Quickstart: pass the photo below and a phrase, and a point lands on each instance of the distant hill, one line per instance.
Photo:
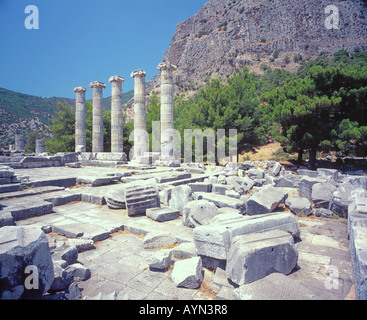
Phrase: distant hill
(21, 113)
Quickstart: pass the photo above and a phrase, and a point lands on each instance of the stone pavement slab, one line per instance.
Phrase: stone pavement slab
(119, 260)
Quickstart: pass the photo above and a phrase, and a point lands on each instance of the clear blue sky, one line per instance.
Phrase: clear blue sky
(80, 41)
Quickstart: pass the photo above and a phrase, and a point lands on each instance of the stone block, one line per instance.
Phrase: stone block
(247, 184)
(198, 212)
(6, 181)
(220, 278)
(357, 228)
(222, 201)
(6, 172)
(109, 156)
(29, 209)
(115, 198)
(322, 194)
(180, 196)
(357, 213)
(222, 217)
(159, 239)
(73, 292)
(266, 200)
(285, 181)
(200, 187)
(305, 185)
(351, 189)
(331, 174)
(21, 247)
(232, 194)
(162, 214)
(62, 198)
(359, 260)
(221, 188)
(74, 165)
(6, 218)
(82, 273)
(299, 205)
(252, 257)
(276, 169)
(255, 174)
(12, 187)
(237, 183)
(93, 197)
(165, 195)
(188, 273)
(184, 250)
(214, 240)
(66, 253)
(225, 293)
(160, 260)
(324, 213)
(308, 173)
(62, 277)
(140, 196)
(81, 244)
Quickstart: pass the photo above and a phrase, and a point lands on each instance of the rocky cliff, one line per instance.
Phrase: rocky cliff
(226, 35)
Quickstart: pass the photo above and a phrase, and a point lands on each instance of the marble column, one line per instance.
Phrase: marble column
(80, 120)
(140, 135)
(97, 131)
(117, 120)
(19, 142)
(167, 133)
(40, 146)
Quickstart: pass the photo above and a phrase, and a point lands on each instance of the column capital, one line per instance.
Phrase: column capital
(166, 66)
(97, 84)
(79, 89)
(138, 73)
(116, 79)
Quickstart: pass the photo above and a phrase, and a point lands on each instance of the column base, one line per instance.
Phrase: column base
(167, 162)
(148, 158)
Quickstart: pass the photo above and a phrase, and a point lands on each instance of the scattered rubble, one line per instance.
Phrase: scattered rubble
(250, 223)
(252, 257)
(188, 273)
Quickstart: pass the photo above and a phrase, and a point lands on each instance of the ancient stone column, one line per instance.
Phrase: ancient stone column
(140, 135)
(80, 120)
(117, 120)
(97, 131)
(40, 146)
(19, 142)
(167, 133)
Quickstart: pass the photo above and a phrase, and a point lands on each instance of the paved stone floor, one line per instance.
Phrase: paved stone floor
(118, 263)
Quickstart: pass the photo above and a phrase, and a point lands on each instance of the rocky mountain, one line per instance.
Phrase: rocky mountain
(226, 35)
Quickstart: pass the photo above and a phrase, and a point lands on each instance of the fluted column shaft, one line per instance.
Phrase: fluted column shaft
(167, 118)
(97, 131)
(80, 120)
(140, 135)
(117, 121)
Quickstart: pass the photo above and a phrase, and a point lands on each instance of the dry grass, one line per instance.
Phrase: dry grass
(117, 233)
(260, 154)
(58, 237)
(139, 235)
(171, 246)
(78, 186)
(205, 290)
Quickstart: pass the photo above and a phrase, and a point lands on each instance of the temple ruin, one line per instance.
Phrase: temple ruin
(155, 228)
